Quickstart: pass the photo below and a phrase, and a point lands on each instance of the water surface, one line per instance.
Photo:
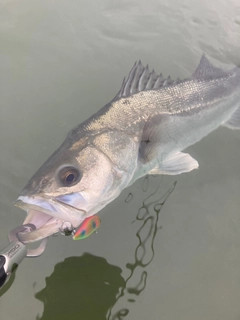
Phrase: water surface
(155, 256)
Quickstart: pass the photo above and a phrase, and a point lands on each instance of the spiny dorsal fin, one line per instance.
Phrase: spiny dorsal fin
(207, 71)
(141, 79)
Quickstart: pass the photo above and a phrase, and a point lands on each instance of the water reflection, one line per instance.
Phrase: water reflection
(148, 218)
(84, 286)
(91, 288)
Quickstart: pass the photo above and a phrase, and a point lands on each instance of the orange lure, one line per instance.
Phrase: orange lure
(88, 226)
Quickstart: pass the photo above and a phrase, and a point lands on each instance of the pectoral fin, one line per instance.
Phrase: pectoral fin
(178, 163)
(234, 121)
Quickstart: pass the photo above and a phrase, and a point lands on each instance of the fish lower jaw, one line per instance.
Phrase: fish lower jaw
(47, 222)
(43, 229)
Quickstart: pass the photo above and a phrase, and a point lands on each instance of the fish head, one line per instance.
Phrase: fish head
(71, 185)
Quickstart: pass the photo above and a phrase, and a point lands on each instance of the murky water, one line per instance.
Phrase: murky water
(165, 250)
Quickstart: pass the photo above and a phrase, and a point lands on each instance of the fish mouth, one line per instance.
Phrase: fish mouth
(49, 215)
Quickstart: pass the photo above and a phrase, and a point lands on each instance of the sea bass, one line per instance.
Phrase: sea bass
(143, 130)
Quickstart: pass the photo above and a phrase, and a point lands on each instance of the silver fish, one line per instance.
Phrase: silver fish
(143, 130)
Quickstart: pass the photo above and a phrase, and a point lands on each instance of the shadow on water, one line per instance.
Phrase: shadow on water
(8, 285)
(81, 288)
(88, 287)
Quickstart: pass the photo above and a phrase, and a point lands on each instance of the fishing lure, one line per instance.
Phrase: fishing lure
(88, 226)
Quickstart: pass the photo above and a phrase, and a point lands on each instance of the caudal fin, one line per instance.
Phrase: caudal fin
(234, 121)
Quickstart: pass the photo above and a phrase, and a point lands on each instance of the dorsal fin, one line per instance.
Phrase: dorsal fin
(207, 71)
(141, 79)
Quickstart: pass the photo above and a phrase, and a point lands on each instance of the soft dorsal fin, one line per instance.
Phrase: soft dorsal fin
(141, 79)
(207, 71)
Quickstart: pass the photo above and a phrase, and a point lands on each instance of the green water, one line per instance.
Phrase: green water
(164, 250)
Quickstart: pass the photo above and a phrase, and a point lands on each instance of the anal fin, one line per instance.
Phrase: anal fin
(234, 121)
(178, 163)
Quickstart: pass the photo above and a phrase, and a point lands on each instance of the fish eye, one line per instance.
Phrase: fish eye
(69, 176)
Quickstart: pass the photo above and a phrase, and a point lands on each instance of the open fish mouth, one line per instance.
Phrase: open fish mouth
(49, 215)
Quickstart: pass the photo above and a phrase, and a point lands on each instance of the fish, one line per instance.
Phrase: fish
(87, 227)
(142, 131)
